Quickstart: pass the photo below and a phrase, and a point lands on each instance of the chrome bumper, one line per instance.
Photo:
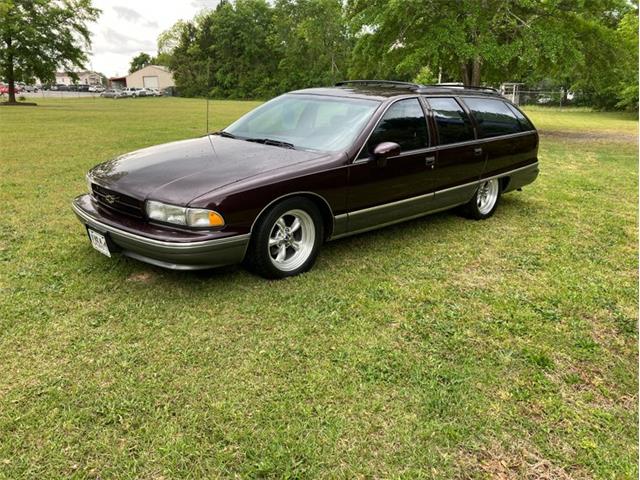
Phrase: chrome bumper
(189, 255)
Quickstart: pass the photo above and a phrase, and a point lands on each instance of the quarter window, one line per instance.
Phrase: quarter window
(453, 123)
(493, 116)
(525, 124)
(404, 124)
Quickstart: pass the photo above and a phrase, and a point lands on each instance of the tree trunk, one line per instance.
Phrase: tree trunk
(466, 79)
(12, 84)
(471, 72)
(10, 73)
(475, 75)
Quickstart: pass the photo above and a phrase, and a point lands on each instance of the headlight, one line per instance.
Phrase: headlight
(192, 217)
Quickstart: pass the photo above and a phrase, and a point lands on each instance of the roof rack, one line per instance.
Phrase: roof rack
(380, 83)
(416, 87)
(462, 86)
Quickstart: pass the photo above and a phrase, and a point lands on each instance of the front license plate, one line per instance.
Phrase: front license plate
(99, 242)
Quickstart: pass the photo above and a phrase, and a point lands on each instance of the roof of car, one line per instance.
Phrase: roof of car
(383, 89)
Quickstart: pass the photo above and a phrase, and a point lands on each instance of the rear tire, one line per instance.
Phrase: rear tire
(485, 201)
(286, 240)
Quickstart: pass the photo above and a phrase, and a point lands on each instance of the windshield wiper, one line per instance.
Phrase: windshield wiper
(224, 134)
(269, 141)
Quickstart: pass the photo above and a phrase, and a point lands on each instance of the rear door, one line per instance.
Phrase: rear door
(381, 194)
(506, 141)
(460, 160)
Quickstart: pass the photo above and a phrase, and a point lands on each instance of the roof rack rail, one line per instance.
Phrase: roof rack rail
(381, 83)
(462, 86)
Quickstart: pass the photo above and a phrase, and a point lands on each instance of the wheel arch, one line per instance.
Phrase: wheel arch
(318, 200)
(504, 183)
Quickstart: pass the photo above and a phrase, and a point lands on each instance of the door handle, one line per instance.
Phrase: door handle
(477, 151)
(430, 161)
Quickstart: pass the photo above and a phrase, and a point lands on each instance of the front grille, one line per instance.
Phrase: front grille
(117, 202)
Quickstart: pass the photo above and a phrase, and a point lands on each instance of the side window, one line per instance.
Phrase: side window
(525, 124)
(493, 117)
(453, 122)
(404, 124)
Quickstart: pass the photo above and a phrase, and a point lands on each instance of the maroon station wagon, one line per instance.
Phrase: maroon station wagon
(307, 167)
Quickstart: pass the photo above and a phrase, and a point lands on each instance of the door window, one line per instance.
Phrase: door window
(453, 122)
(404, 124)
(493, 116)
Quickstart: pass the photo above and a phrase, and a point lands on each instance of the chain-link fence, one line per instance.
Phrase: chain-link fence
(556, 98)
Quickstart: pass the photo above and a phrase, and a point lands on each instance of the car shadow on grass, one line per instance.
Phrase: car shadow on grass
(360, 245)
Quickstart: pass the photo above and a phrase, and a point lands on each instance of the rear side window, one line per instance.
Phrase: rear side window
(452, 121)
(493, 116)
(404, 124)
(525, 124)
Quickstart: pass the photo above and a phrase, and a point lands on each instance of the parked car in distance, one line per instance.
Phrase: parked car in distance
(30, 88)
(132, 92)
(307, 167)
(96, 88)
(112, 93)
(152, 92)
(82, 88)
(4, 89)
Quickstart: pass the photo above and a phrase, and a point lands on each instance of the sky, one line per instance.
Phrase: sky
(126, 28)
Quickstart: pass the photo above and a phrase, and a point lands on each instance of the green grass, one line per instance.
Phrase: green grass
(440, 348)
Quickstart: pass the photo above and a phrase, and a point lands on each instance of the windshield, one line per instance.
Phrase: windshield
(309, 122)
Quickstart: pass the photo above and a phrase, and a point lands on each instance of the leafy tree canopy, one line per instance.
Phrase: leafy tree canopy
(140, 61)
(37, 37)
(255, 48)
(575, 42)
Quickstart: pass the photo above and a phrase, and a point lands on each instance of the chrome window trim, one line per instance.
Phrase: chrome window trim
(437, 148)
(486, 140)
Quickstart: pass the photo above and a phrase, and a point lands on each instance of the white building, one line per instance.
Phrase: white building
(84, 78)
(151, 76)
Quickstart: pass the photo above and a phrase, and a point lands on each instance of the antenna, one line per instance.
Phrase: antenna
(208, 88)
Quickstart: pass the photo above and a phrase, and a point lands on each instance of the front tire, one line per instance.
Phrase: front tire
(485, 201)
(286, 239)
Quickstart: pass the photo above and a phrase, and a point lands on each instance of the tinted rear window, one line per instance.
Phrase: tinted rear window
(493, 116)
(453, 123)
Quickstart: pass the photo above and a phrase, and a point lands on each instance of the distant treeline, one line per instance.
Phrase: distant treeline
(258, 49)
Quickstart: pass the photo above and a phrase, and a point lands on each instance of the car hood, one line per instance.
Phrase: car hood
(178, 172)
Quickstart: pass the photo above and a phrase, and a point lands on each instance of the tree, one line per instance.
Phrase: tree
(628, 73)
(140, 61)
(472, 40)
(39, 36)
(314, 43)
(255, 48)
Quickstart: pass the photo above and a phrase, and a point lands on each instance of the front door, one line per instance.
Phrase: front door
(382, 194)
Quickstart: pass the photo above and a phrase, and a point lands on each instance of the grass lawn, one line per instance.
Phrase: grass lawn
(440, 348)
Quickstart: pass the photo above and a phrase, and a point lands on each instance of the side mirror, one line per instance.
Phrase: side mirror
(384, 150)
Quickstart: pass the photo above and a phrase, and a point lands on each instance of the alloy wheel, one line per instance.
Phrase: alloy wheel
(291, 240)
